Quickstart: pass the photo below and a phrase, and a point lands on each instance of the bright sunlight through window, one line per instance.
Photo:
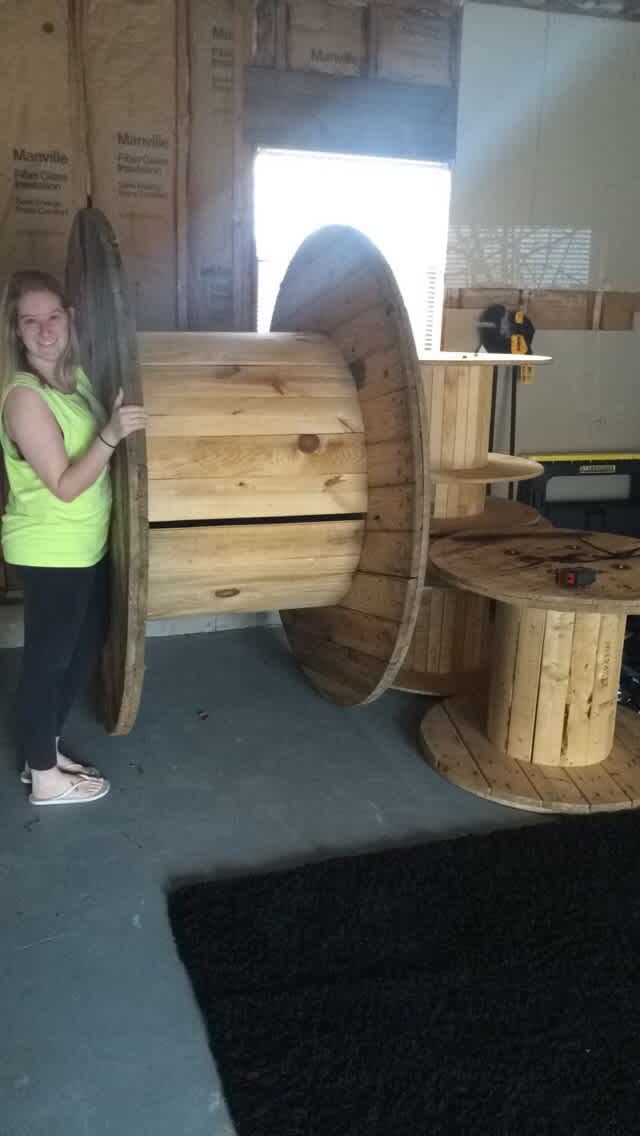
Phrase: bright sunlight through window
(402, 206)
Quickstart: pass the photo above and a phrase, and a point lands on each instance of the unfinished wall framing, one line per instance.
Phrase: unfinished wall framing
(148, 122)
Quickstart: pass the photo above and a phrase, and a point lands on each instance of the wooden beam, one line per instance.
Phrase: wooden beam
(308, 111)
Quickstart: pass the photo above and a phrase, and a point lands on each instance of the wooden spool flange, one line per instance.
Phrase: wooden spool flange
(339, 300)
(550, 736)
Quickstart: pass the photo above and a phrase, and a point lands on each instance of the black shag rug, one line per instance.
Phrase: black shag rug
(484, 986)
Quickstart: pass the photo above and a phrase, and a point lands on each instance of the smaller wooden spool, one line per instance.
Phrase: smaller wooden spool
(551, 737)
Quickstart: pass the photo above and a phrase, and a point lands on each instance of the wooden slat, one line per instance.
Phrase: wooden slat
(526, 682)
(555, 668)
(265, 455)
(505, 652)
(191, 386)
(361, 631)
(433, 383)
(388, 463)
(386, 419)
(352, 295)
(238, 349)
(262, 566)
(317, 273)
(167, 600)
(433, 600)
(307, 545)
(447, 645)
(467, 720)
(354, 673)
(366, 333)
(230, 417)
(605, 690)
(371, 593)
(226, 498)
(390, 509)
(378, 373)
(576, 743)
(387, 553)
(447, 752)
(598, 787)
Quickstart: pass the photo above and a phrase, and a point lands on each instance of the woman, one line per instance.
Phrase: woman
(57, 442)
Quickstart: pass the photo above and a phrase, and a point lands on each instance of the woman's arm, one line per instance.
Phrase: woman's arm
(35, 431)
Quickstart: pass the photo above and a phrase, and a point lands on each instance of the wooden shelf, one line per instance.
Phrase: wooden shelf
(484, 359)
(499, 467)
(499, 513)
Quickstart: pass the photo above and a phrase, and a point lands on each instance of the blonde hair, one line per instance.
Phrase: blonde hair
(13, 356)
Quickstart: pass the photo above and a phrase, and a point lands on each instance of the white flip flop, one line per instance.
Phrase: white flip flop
(87, 771)
(67, 798)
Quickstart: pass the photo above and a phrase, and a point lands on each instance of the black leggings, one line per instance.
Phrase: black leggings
(65, 621)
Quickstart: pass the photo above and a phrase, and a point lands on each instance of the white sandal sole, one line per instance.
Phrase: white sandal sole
(68, 798)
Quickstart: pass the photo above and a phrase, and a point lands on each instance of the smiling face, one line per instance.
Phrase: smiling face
(43, 327)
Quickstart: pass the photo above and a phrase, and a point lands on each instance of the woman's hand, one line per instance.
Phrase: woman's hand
(124, 420)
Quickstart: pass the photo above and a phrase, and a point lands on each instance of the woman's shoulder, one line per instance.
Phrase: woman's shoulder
(24, 379)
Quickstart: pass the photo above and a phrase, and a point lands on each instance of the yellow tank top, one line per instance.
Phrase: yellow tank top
(38, 530)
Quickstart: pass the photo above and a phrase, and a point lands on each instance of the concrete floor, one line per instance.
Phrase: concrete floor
(100, 1033)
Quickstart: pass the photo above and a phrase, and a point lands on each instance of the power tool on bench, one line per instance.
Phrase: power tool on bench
(504, 332)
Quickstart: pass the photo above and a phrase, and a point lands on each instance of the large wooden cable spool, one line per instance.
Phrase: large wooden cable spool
(284, 470)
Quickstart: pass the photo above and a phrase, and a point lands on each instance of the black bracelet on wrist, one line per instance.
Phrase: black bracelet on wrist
(106, 442)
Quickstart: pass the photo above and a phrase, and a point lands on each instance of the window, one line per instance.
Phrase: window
(403, 207)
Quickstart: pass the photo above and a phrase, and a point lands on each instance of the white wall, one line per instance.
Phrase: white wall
(546, 193)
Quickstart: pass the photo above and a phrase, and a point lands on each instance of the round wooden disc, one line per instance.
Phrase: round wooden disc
(454, 743)
(499, 467)
(340, 285)
(97, 287)
(499, 513)
(484, 359)
(519, 568)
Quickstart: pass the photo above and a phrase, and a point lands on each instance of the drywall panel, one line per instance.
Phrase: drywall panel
(129, 58)
(580, 401)
(41, 166)
(547, 176)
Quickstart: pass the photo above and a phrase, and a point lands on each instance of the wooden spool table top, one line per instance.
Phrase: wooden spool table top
(519, 568)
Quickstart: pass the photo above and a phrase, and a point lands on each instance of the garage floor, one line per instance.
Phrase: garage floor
(99, 1028)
